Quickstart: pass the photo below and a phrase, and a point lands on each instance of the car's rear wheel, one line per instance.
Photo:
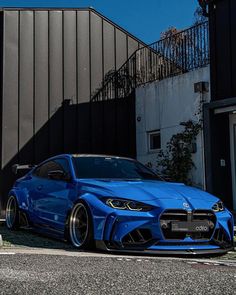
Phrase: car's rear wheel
(12, 213)
(81, 227)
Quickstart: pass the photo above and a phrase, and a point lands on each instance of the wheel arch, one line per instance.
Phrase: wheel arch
(93, 204)
(68, 214)
(70, 235)
(21, 198)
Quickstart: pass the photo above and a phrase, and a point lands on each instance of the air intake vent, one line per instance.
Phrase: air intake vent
(137, 237)
(221, 239)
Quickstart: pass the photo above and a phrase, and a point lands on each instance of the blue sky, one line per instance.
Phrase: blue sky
(145, 19)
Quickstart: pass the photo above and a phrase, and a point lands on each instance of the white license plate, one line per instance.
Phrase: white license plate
(194, 226)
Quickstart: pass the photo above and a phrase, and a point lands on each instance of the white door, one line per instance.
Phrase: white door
(232, 126)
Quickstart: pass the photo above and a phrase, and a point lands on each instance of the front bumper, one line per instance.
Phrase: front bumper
(142, 233)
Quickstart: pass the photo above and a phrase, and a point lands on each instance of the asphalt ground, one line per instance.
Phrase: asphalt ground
(88, 274)
(33, 264)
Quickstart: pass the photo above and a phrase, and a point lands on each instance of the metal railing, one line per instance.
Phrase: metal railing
(177, 54)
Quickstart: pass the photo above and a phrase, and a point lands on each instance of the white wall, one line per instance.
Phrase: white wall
(163, 105)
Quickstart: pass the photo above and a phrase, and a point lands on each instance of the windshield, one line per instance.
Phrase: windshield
(111, 168)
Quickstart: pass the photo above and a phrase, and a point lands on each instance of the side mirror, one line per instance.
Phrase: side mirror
(58, 175)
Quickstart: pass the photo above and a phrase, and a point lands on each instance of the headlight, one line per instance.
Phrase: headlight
(127, 205)
(218, 207)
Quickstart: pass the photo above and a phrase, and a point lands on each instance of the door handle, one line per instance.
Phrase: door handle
(39, 187)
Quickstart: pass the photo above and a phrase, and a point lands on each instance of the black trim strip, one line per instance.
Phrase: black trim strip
(19, 75)
(221, 103)
(1, 97)
(102, 246)
(34, 87)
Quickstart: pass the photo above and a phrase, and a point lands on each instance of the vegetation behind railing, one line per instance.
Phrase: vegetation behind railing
(177, 54)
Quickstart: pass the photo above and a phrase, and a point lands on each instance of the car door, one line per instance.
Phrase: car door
(50, 197)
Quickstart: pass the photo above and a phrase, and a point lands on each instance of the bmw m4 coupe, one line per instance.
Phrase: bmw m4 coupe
(118, 204)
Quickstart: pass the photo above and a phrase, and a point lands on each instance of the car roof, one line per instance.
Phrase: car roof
(87, 155)
(99, 155)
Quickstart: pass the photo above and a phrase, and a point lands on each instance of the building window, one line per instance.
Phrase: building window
(154, 140)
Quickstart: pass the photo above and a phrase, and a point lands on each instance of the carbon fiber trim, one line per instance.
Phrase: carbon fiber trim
(101, 245)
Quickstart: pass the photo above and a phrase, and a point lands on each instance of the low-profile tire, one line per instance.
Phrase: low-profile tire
(12, 213)
(81, 227)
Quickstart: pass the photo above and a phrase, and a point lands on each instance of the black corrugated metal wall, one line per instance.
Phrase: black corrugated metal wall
(223, 49)
(53, 60)
(222, 30)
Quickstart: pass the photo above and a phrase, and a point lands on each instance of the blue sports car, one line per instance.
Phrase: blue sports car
(118, 204)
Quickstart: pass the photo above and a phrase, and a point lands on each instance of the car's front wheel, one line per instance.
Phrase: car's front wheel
(81, 226)
(12, 213)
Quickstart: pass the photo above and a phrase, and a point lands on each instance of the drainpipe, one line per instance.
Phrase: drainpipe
(202, 88)
(203, 142)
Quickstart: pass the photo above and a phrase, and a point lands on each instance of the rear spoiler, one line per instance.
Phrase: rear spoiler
(17, 167)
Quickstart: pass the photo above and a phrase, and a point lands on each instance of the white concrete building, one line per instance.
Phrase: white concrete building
(160, 107)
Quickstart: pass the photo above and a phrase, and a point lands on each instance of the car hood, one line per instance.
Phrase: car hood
(145, 190)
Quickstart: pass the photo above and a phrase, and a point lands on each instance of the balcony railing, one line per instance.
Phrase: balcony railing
(177, 54)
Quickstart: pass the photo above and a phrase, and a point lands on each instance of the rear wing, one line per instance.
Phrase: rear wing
(17, 167)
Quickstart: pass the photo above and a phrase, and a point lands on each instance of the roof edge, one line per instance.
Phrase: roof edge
(91, 9)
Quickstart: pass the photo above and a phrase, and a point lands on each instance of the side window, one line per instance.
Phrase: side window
(41, 171)
(63, 164)
(50, 166)
(37, 171)
(57, 164)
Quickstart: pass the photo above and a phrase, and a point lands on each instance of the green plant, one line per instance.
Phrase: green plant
(176, 162)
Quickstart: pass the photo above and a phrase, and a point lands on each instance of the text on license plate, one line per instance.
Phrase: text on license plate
(186, 226)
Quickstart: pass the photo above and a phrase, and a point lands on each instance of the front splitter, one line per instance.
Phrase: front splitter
(190, 252)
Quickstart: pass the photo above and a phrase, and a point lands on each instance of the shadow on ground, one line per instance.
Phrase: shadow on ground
(30, 239)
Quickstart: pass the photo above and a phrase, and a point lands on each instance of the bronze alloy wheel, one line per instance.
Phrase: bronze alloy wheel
(12, 213)
(79, 225)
